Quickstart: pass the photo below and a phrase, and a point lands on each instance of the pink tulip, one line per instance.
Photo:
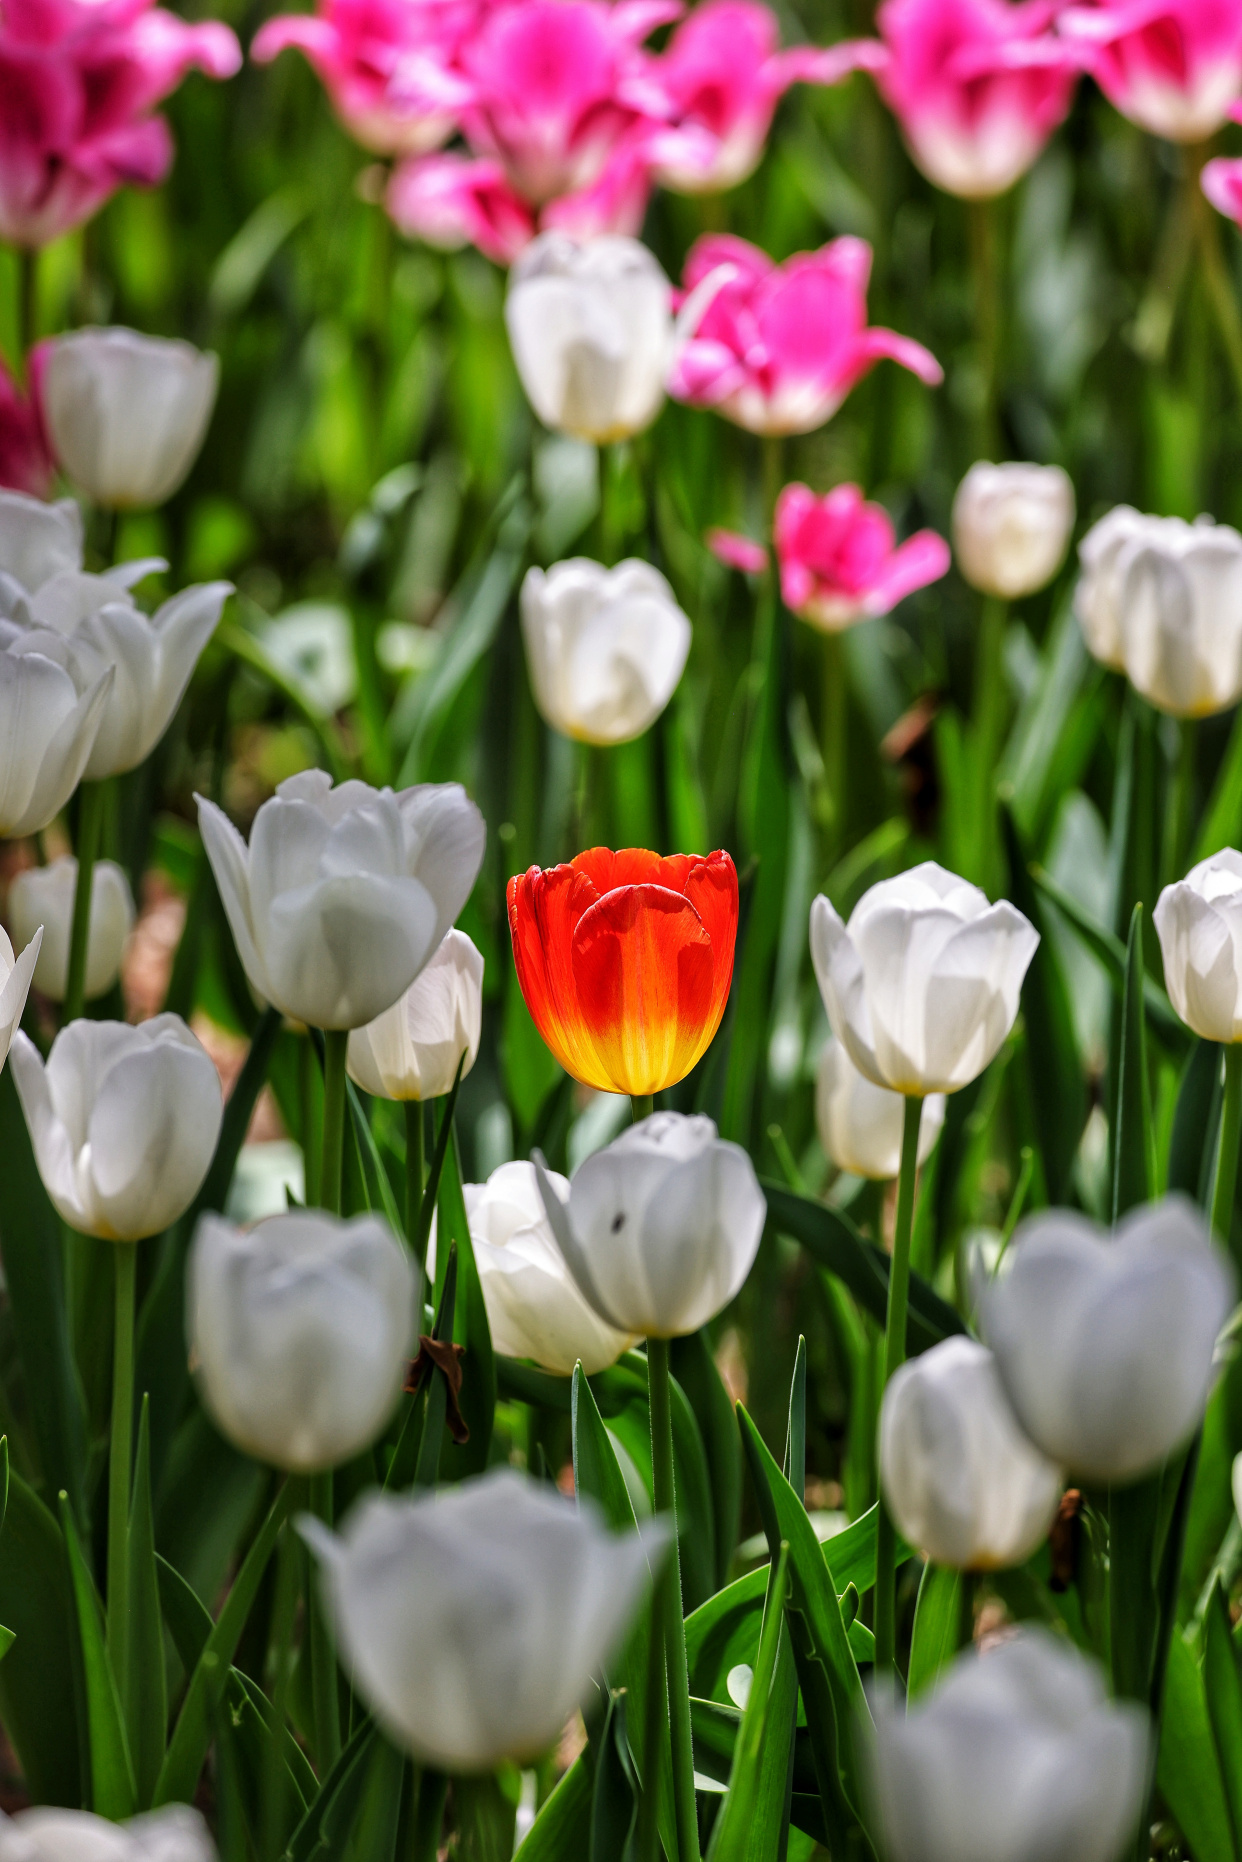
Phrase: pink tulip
(1221, 181)
(25, 461)
(722, 76)
(977, 85)
(837, 560)
(80, 80)
(736, 551)
(1174, 67)
(459, 200)
(777, 348)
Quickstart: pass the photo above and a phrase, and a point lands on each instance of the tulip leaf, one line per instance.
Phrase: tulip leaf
(937, 1622)
(38, 1684)
(562, 1830)
(374, 1176)
(143, 1687)
(431, 1439)
(112, 1773)
(1222, 819)
(741, 1820)
(324, 1830)
(1187, 1767)
(1172, 1033)
(470, 1327)
(1223, 1688)
(613, 1389)
(1196, 1123)
(614, 1793)
(1133, 1136)
(694, 1369)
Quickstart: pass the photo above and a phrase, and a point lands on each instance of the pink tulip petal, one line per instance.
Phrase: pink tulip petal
(737, 552)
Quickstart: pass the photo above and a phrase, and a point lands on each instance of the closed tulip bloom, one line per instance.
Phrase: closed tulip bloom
(51, 709)
(44, 1834)
(300, 1331)
(1105, 1342)
(839, 559)
(345, 893)
(534, 1308)
(922, 985)
(15, 978)
(591, 331)
(661, 1227)
(413, 1050)
(860, 1123)
(605, 647)
(43, 895)
(473, 1621)
(1017, 1756)
(123, 1121)
(625, 961)
(960, 1479)
(37, 541)
(1174, 67)
(1011, 527)
(1199, 924)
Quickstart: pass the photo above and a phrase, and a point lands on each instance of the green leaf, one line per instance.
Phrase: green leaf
(112, 1774)
(37, 1678)
(696, 1524)
(143, 1686)
(937, 1618)
(614, 1389)
(694, 1369)
(1196, 1123)
(416, 1458)
(324, 1830)
(378, 1189)
(1223, 1689)
(1222, 820)
(1187, 1769)
(1172, 1034)
(1133, 1136)
(562, 1830)
(732, 1838)
(614, 1794)
(470, 1327)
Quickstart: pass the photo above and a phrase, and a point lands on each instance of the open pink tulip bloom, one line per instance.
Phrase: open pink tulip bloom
(80, 81)
(837, 559)
(1172, 66)
(977, 85)
(25, 460)
(777, 348)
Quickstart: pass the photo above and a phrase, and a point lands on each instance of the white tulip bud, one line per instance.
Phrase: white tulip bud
(44, 1834)
(534, 1308)
(922, 985)
(15, 978)
(961, 1480)
(1011, 527)
(412, 1050)
(591, 329)
(37, 541)
(1199, 924)
(661, 1227)
(345, 893)
(51, 709)
(605, 647)
(860, 1124)
(44, 895)
(1161, 601)
(124, 1122)
(1017, 1756)
(126, 414)
(300, 1333)
(473, 1621)
(1104, 1342)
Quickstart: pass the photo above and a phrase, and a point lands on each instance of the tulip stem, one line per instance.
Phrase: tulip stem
(125, 1261)
(642, 1105)
(27, 306)
(413, 1170)
(335, 1042)
(323, 1659)
(985, 268)
(1227, 1152)
(90, 825)
(1177, 806)
(989, 730)
(894, 1357)
(668, 1604)
(1215, 271)
(284, 1610)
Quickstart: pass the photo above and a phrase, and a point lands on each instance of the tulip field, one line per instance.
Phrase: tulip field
(621, 971)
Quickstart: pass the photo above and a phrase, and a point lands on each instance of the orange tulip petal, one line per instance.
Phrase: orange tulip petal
(544, 909)
(645, 975)
(712, 890)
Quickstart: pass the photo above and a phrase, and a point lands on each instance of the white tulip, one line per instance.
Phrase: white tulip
(1199, 924)
(1161, 601)
(961, 1480)
(534, 1308)
(605, 647)
(413, 1050)
(37, 541)
(1011, 527)
(15, 978)
(474, 1620)
(43, 1834)
(300, 1333)
(126, 414)
(1017, 1756)
(51, 709)
(345, 893)
(124, 1122)
(1104, 1342)
(860, 1124)
(591, 329)
(922, 985)
(44, 895)
(661, 1227)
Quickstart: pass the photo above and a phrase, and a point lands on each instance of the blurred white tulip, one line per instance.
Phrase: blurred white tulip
(1011, 527)
(413, 1049)
(1161, 600)
(591, 329)
(605, 647)
(124, 1122)
(661, 1227)
(534, 1308)
(860, 1124)
(344, 893)
(961, 1480)
(473, 1621)
(1104, 1342)
(300, 1332)
(37, 541)
(51, 708)
(15, 978)
(43, 895)
(1199, 924)
(126, 414)
(922, 985)
(1017, 1756)
(44, 1834)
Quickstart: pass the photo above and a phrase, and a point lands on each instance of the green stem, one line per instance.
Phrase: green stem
(27, 306)
(413, 1171)
(431, 1789)
(984, 266)
(668, 1603)
(894, 1356)
(125, 1260)
(989, 733)
(834, 737)
(335, 1042)
(1216, 273)
(657, 1713)
(284, 1611)
(90, 827)
(1227, 1152)
(642, 1105)
(1178, 810)
(323, 1657)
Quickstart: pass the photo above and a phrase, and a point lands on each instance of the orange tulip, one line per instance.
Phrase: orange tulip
(625, 961)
